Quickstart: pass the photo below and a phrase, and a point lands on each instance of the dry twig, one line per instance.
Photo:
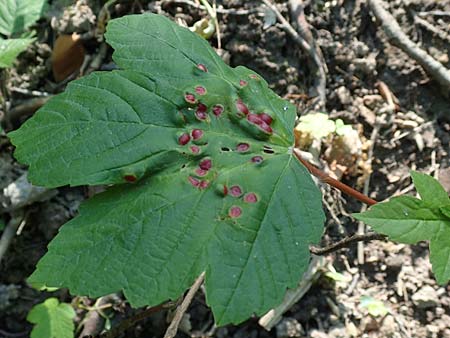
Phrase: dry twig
(219, 10)
(173, 327)
(9, 232)
(345, 243)
(390, 108)
(306, 43)
(292, 296)
(315, 53)
(26, 108)
(444, 36)
(392, 29)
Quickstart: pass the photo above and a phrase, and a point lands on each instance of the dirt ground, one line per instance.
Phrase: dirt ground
(358, 55)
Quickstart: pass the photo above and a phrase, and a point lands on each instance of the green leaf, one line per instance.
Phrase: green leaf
(233, 202)
(10, 49)
(341, 128)
(375, 307)
(17, 15)
(429, 189)
(52, 319)
(409, 220)
(318, 125)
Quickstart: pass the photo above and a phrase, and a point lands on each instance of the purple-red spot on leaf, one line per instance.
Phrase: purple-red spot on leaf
(266, 118)
(254, 118)
(235, 211)
(200, 90)
(258, 121)
(197, 133)
(243, 83)
(235, 191)
(202, 67)
(201, 112)
(201, 172)
(195, 149)
(217, 109)
(205, 164)
(257, 159)
(253, 76)
(184, 139)
(130, 178)
(251, 197)
(242, 107)
(190, 98)
(204, 184)
(221, 190)
(195, 182)
(242, 147)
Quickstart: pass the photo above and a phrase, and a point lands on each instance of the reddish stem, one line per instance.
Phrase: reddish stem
(334, 183)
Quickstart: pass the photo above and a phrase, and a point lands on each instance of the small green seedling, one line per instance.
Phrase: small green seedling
(52, 319)
(15, 17)
(408, 220)
(376, 308)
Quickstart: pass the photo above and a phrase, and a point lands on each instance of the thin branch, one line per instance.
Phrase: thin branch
(173, 327)
(331, 181)
(315, 53)
(219, 10)
(9, 232)
(26, 108)
(392, 29)
(307, 46)
(345, 243)
(444, 36)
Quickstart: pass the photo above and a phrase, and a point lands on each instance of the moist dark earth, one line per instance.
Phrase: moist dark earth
(358, 55)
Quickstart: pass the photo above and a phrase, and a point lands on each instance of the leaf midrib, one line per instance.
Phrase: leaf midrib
(254, 241)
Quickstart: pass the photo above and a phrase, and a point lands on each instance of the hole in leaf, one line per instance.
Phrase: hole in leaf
(268, 150)
(225, 149)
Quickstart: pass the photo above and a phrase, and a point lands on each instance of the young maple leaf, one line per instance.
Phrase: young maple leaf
(204, 177)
